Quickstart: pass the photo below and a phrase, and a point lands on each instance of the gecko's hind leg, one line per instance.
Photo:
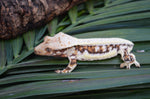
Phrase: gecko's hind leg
(128, 59)
(71, 66)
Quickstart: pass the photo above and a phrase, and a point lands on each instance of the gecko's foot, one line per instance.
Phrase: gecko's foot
(62, 71)
(122, 65)
(137, 64)
(58, 71)
(127, 65)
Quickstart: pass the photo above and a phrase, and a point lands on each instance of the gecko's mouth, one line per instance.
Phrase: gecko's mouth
(36, 52)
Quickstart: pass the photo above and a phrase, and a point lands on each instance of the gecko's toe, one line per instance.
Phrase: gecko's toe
(122, 65)
(137, 64)
(128, 67)
(58, 71)
(64, 71)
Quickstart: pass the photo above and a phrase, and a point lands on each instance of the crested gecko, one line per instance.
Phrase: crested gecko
(63, 45)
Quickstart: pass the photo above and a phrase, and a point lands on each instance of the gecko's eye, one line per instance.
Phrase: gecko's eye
(48, 49)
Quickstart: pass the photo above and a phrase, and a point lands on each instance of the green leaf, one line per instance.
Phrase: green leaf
(134, 34)
(107, 2)
(3, 70)
(108, 13)
(119, 2)
(119, 10)
(29, 38)
(52, 27)
(2, 54)
(73, 14)
(111, 20)
(9, 51)
(90, 6)
(109, 94)
(82, 72)
(39, 34)
(17, 46)
(22, 56)
(75, 85)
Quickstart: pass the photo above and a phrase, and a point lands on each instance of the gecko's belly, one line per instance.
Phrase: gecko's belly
(98, 56)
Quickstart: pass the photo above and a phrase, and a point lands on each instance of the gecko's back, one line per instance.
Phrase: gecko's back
(103, 41)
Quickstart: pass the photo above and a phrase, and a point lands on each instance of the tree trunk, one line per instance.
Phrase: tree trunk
(19, 16)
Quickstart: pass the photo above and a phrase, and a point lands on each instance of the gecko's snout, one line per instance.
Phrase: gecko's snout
(36, 52)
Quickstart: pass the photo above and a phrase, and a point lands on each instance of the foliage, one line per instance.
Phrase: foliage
(25, 75)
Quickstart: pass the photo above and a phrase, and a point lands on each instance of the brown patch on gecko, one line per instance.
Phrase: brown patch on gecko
(46, 42)
(118, 47)
(74, 54)
(85, 47)
(62, 50)
(131, 59)
(107, 48)
(91, 49)
(73, 62)
(129, 45)
(100, 49)
(123, 44)
(126, 56)
(113, 46)
(81, 49)
(63, 55)
(59, 40)
(68, 68)
(125, 52)
(69, 42)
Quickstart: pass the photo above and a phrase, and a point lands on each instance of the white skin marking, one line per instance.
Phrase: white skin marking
(110, 48)
(97, 48)
(58, 52)
(104, 48)
(73, 57)
(65, 52)
(54, 54)
(78, 52)
(70, 51)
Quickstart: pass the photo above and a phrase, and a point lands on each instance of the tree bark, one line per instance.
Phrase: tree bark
(20, 16)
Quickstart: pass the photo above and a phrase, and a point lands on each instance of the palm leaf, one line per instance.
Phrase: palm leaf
(25, 75)
(2, 54)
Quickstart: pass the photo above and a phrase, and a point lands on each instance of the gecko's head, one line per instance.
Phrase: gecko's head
(43, 48)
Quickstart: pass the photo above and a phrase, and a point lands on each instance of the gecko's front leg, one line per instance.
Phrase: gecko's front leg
(72, 64)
